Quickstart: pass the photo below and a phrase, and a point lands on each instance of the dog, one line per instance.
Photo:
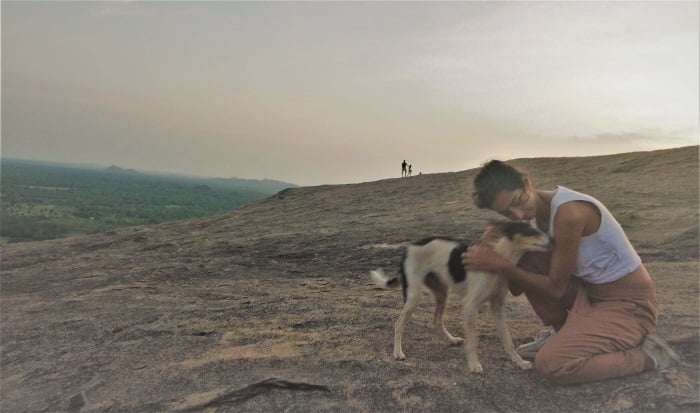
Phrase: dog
(435, 264)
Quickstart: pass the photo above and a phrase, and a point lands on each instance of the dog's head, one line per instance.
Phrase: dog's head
(523, 237)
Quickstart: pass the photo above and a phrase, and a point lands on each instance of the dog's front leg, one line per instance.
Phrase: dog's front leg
(441, 294)
(471, 307)
(498, 311)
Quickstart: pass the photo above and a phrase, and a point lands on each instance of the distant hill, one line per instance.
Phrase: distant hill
(268, 186)
(118, 170)
(46, 200)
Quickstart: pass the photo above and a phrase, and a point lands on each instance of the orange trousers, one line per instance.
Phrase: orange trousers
(599, 329)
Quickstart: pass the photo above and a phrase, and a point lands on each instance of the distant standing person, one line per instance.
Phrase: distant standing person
(410, 171)
(403, 168)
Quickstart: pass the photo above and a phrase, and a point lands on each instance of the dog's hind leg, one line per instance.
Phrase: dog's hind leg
(413, 296)
(441, 293)
(497, 304)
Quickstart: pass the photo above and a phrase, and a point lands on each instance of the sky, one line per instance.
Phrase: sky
(342, 92)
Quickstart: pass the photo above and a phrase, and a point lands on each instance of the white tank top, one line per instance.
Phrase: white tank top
(605, 256)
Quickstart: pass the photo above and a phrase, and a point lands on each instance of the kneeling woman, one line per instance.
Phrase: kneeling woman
(593, 289)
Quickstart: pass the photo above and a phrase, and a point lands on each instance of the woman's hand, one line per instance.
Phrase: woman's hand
(482, 258)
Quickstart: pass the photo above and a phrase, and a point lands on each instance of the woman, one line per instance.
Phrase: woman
(595, 293)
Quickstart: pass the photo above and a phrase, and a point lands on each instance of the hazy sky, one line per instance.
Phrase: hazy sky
(334, 92)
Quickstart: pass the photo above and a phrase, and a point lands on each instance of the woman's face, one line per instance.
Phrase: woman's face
(518, 204)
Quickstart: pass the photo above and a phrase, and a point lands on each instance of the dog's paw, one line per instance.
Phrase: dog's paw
(399, 356)
(455, 341)
(525, 365)
(475, 368)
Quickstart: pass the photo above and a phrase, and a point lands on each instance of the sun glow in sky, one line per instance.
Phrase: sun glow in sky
(339, 92)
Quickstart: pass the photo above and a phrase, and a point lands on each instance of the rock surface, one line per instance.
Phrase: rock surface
(269, 307)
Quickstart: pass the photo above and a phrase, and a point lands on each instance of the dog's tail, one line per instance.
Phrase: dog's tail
(381, 281)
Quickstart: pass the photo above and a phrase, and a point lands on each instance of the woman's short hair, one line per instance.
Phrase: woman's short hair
(495, 176)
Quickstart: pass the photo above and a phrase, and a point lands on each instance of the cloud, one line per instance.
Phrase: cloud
(123, 8)
(617, 142)
(647, 138)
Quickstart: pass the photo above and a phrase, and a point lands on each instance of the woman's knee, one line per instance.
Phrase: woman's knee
(543, 364)
(555, 319)
(555, 368)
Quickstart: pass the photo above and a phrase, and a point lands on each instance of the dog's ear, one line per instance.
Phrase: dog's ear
(509, 228)
(494, 231)
(498, 223)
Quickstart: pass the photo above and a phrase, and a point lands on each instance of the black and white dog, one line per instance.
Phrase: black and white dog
(436, 265)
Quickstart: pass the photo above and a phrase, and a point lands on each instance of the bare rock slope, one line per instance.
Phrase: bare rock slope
(269, 307)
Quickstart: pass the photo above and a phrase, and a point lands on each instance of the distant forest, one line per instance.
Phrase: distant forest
(41, 200)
